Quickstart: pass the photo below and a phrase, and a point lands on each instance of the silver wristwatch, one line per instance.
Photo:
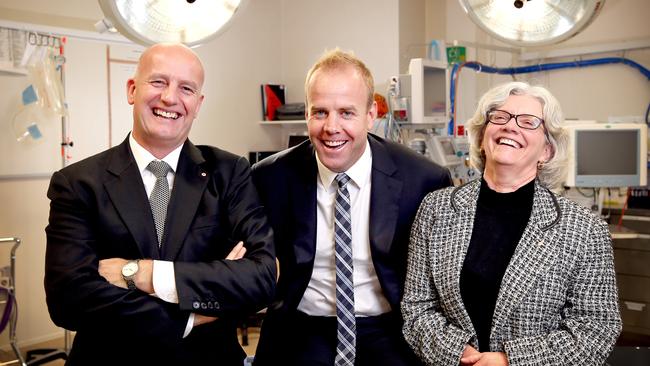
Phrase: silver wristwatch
(128, 273)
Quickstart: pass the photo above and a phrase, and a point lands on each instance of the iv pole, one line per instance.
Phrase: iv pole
(45, 355)
(66, 144)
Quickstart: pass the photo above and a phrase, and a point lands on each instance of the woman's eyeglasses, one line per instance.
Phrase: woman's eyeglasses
(527, 121)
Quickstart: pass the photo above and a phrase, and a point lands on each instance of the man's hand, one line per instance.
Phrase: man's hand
(237, 252)
(470, 356)
(203, 319)
(111, 270)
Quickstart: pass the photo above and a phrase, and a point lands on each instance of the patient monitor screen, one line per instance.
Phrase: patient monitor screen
(447, 147)
(607, 152)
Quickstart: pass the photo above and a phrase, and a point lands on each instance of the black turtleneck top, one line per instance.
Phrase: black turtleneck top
(499, 224)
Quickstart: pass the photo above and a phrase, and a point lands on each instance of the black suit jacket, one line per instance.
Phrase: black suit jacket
(286, 182)
(99, 209)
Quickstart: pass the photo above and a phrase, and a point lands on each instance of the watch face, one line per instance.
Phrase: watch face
(129, 269)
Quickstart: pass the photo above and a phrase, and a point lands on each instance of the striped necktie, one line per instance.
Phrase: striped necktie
(346, 326)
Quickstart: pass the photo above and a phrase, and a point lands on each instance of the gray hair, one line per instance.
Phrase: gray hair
(551, 173)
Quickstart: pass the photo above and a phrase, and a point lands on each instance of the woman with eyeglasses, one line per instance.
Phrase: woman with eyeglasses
(501, 270)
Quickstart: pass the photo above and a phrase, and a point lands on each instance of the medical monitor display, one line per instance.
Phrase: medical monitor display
(607, 155)
(605, 152)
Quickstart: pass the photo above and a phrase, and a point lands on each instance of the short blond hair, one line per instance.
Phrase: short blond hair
(337, 59)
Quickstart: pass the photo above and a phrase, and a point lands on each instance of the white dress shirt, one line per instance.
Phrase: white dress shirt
(164, 280)
(320, 296)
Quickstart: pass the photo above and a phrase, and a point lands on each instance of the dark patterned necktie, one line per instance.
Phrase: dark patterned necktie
(346, 330)
(159, 197)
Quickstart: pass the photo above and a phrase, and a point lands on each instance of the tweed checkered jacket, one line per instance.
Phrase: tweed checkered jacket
(558, 303)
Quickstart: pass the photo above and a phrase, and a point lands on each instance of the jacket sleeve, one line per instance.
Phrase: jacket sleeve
(433, 338)
(590, 321)
(77, 296)
(233, 286)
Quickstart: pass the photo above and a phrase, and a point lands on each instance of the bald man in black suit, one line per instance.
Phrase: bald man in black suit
(144, 290)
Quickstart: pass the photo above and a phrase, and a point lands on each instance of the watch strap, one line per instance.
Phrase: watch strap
(130, 283)
(130, 280)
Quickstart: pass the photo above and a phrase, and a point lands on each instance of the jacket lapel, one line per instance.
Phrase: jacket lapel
(303, 204)
(384, 199)
(463, 200)
(126, 191)
(534, 255)
(190, 181)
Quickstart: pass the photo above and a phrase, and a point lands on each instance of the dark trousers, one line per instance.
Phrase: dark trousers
(379, 342)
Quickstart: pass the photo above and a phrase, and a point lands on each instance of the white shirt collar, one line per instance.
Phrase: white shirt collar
(144, 157)
(359, 172)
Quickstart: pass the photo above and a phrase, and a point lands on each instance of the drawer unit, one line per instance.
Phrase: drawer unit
(636, 220)
(634, 288)
(636, 316)
(632, 260)
(635, 241)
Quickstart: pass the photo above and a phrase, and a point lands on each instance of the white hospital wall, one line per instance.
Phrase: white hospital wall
(308, 28)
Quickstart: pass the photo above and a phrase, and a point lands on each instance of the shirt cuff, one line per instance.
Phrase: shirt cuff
(189, 326)
(164, 283)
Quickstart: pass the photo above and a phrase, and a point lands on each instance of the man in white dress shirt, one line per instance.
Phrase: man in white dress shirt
(383, 184)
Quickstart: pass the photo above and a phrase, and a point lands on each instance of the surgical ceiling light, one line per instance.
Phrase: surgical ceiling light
(532, 22)
(191, 22)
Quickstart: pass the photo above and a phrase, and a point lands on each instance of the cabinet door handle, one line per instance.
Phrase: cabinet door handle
(634, 306)
(636, 218)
